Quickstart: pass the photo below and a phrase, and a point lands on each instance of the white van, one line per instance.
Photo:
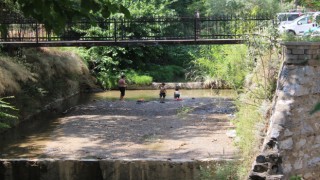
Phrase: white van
(298, 26)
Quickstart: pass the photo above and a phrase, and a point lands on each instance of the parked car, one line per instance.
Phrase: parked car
(288, 17)
(299, 26)
(316, 32)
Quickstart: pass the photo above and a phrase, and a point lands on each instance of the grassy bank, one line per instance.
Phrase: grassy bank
(251, 119)
(40, 77)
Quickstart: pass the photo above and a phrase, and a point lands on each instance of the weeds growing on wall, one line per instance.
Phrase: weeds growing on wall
(6, 113)
(254, 104)
(223, 171)
(308, 37)
(251, 69)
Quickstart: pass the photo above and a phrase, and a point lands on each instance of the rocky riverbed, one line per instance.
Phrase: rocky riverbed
(194, 128)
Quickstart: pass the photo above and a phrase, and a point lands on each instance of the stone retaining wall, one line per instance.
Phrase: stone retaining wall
(50, 169)
(184, 85)
(170, 85)
(292, 145)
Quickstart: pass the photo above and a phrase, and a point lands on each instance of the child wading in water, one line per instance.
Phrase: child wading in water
(163, 92)
(176, 94)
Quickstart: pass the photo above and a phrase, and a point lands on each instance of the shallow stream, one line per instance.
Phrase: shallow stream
(30, 138)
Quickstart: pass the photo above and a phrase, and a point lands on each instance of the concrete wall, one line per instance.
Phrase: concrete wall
(50, 169)
(185, 85)
(292, 145)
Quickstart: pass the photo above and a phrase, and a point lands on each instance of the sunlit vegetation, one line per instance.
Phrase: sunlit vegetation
(56, 14)
(229, 64)
(138, 79)
(6, 113)
(42, 75)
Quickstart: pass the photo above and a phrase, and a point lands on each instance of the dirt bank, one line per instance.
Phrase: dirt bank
(42, 76)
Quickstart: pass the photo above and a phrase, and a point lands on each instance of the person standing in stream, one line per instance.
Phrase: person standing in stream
(163, 91)
(122, 87)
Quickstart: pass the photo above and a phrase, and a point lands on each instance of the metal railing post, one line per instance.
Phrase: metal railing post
(195, 29)
(122, 28)
(196, 25)
(115, 30)
(37, 35)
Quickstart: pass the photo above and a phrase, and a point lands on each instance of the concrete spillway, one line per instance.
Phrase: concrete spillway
(51, 169)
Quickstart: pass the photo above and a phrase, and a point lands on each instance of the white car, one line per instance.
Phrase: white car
(315, 32)
(298, 26)
(287, 17)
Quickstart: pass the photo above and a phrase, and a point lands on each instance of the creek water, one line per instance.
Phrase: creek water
(29, 139)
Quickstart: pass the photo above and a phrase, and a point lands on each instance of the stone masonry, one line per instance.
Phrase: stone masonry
(292, 145)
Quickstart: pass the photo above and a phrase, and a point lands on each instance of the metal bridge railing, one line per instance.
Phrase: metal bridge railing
(138, 28)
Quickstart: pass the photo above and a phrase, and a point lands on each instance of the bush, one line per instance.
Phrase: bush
(135, 78)
(167, 73)
(106, 80)
(142, 80)
(228, 63)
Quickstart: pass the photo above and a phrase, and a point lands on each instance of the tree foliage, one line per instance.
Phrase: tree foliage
(241, 7)
(56, 13)
(312, 4)
(162, 63)
(149, 7)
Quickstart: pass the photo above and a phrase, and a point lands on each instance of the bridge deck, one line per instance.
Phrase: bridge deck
(135, 31)
(124, 42)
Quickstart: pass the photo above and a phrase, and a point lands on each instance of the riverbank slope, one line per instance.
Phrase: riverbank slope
(40, 77)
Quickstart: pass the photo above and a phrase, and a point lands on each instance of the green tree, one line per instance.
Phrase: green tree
(56, 13)
(312, 4)
(148, 7)
(246, 7)
(163, 63)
